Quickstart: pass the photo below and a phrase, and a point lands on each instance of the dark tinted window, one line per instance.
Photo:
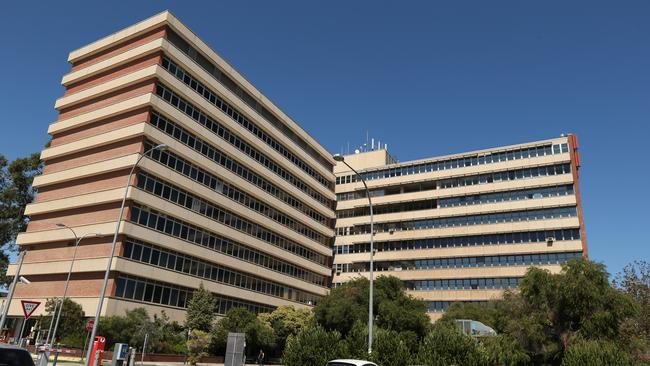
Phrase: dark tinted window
(15, 357)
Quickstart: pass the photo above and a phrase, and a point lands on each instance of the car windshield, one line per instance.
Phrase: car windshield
(15, 357)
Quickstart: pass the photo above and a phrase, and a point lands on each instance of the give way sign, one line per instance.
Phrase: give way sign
(29, 307)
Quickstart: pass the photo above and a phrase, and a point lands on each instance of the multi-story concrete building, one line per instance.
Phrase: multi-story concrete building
(461, 227)
(242, 200)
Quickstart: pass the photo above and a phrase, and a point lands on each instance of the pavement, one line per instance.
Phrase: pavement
(65, 361)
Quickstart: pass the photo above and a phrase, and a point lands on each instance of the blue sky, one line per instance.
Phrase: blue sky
(429, 78)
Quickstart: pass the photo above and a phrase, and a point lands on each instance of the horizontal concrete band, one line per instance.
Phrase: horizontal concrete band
(152, 100)
(442, 212)
(449, 273)
(465, 251)
(535, 225)
(148, 235)
(440, 193)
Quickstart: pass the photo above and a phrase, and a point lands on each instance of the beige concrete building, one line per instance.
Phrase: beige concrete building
(462, 227)
(241, 201)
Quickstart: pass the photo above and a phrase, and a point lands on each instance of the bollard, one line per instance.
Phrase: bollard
(56, 357)
(132, 356)
(97, 361)
(43, 360)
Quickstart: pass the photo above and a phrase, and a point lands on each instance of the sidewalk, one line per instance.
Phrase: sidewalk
(66, 361)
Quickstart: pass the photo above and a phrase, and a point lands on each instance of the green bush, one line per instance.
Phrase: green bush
(390, 349)
(313, 346)
(595, 353)
(196, 346)
(504, 350)
(445, 344)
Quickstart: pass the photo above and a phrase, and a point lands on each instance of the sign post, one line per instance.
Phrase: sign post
(28, 309)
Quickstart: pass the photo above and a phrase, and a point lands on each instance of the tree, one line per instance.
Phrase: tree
(197, 343)
(592, 352)
(634, 281)
(313, 346)
(201, 310)
(71, 323)
(240, 320)
(445, 344)
(15, 193)
(390, 349)
(163, 336)
(548, 310)
(504, 349)
(395, 309)
(286, 321)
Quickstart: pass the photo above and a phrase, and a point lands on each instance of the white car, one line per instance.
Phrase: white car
(350, 363)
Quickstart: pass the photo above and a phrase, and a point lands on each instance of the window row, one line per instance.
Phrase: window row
(483, 219)
(474, 199)
(167, 191)
(470, 180)
(161, 293)
(525, 194)
(225, 217)
(238, 117)
(385, 209)
(464, 284)
(224, 80)
(541, 171)
(440, 306)
(460, 262)
(179, 229)
(428, 185)
(463, 241)
(200, 175)
(196, 114)
(477, 159)
(177, 262)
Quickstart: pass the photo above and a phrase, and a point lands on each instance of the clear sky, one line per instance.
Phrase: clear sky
(427, 77)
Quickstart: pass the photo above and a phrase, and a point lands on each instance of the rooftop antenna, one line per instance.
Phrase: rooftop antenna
(373, 144)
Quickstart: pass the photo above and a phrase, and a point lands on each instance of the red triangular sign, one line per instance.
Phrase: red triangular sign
(29, 307)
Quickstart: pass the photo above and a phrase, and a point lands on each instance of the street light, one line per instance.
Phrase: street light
(67, 281)
(12, 288)
(341, 159)
(160, 147)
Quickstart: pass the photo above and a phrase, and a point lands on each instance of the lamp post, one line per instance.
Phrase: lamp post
(67, 281)
(12, 288)
(341, 159)
(112, 253)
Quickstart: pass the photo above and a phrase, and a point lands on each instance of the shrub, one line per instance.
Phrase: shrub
(196, 345)
(445, 344)
(313, 346)
(590, 352)
(390, 349)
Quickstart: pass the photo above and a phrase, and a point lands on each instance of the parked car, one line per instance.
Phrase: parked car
(14, 356)
(350, 363)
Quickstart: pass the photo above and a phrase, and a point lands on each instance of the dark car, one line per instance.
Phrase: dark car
(14, 356)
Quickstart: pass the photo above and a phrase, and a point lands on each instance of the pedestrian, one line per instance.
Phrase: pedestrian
(260, 358)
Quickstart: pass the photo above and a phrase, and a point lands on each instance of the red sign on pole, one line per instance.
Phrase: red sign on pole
(89, 324)
(29, 307)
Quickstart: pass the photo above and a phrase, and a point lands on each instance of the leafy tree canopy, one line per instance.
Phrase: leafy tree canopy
(71, 322)
(259, 335)
(548, 309)
(395, 310)
(15, 193)
(201, 310)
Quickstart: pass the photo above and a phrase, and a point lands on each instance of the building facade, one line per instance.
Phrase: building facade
(241, 200)
(463, 227)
